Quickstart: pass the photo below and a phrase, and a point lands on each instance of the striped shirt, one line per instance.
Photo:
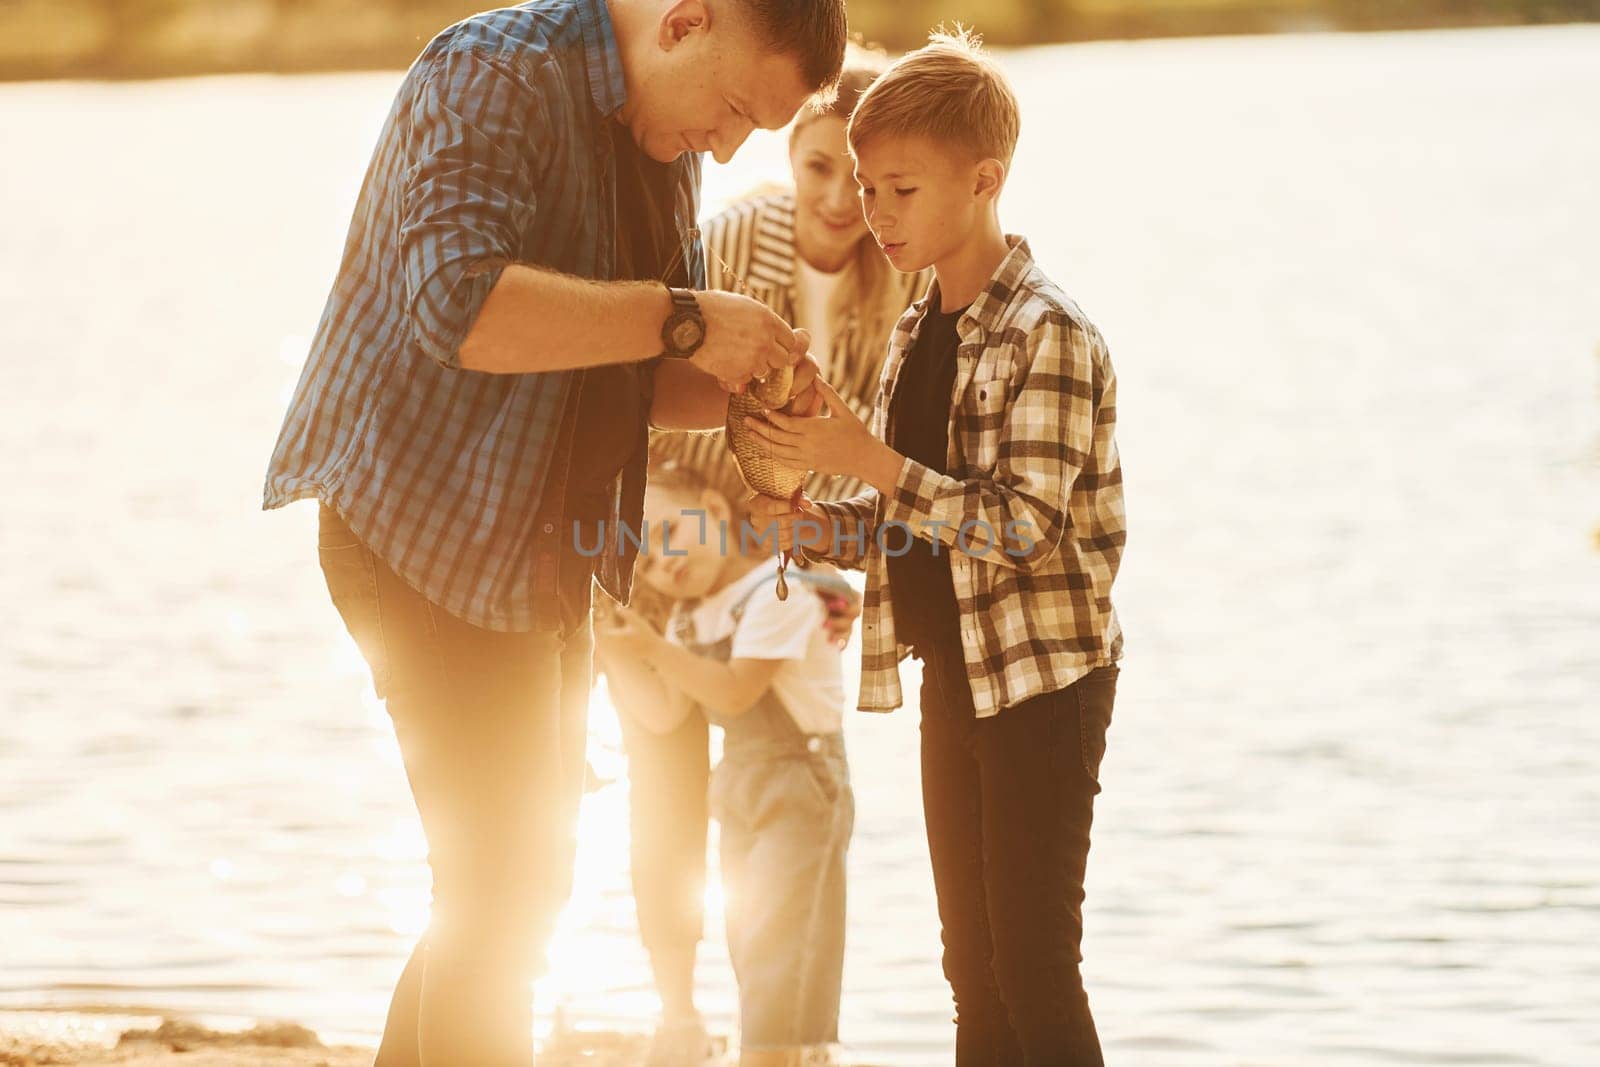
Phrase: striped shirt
(1031, 511)
(496, 150)
(751, 247)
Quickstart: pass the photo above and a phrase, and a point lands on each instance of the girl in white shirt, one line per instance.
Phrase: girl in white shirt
(766, 672)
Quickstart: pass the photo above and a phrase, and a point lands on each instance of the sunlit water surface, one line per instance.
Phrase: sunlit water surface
(1352, 289)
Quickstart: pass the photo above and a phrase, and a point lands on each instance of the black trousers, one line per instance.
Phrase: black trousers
(492, 730)
(1009, 801)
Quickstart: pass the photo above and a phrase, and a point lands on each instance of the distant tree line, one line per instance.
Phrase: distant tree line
(153, 38)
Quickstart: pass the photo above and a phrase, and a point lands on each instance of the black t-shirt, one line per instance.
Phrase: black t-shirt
(921, 589)
(611, 422)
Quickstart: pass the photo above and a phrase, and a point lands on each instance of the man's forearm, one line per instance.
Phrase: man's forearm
(537, 320)
(687, 398)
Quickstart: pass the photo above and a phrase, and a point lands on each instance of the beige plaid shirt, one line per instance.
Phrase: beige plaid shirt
(1031, 512)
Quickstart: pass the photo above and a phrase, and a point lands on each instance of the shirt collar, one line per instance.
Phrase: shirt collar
(602, 55)
(992, 300)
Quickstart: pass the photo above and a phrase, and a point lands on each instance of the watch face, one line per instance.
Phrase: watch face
(685, 334)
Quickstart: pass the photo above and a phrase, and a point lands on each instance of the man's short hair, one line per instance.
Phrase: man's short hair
(813, 31)
(949, 91)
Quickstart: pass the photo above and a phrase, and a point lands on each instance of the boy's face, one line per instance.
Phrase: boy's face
(696, 562)
(703, 81)
(921, 198)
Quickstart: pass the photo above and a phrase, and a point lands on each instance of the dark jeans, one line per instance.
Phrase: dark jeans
(1009, 801)
(491, 727)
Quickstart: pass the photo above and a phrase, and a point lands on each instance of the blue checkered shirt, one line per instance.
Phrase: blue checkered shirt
(496, 150)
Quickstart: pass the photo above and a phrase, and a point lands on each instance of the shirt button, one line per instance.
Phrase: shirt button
(549, 527)
(813, 744)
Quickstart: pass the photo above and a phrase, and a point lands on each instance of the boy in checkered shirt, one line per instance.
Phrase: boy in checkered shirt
(991, 537)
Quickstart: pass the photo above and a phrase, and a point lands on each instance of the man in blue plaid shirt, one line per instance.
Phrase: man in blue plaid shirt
(521, 267)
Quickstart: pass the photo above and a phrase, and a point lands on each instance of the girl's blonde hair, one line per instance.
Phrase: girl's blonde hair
(689, 482)
(679, 478)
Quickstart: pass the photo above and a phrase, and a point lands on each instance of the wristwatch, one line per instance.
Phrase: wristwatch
(685, 329)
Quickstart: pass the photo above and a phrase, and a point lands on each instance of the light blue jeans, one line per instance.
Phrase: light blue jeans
(786, 811)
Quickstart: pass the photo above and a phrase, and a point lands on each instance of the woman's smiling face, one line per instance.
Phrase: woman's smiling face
(828, 220)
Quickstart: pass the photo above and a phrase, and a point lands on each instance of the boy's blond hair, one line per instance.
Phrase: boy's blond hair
(949, 91)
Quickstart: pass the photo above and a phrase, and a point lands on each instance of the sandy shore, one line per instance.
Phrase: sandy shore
(68, 1038)
(55, 1040)
(61, 1038)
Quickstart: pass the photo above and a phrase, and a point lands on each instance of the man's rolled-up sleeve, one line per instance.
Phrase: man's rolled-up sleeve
(468, 193)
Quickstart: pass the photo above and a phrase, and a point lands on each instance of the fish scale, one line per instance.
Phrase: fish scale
(761, 473)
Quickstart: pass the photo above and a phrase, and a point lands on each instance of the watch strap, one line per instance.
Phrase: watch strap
(684, 306)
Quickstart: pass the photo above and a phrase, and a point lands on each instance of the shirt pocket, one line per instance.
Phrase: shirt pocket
(980, 420)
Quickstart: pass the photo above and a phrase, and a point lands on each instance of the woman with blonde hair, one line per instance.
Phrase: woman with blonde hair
(808, 255)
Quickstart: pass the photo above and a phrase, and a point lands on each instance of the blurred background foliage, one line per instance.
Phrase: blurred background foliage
(155, 38)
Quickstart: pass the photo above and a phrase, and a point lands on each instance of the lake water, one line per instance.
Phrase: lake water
(1352, 289)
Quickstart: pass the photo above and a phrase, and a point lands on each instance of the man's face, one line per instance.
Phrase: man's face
(920, 198)
(704, 81)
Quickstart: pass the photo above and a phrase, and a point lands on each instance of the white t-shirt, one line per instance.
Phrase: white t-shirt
(810, 682)
(814, 294)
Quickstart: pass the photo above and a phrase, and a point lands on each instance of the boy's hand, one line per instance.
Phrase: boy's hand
(831, 444)
(805, 398)
(770, 512)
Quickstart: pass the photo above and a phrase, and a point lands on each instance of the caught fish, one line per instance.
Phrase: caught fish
(761, 472)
